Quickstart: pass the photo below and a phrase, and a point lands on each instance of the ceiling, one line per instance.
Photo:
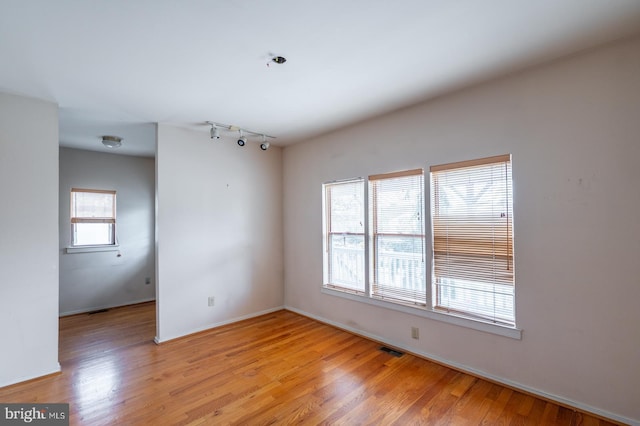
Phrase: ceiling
(118, 66)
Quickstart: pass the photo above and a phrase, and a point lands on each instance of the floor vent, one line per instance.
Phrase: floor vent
(391, 351)
(98, 311)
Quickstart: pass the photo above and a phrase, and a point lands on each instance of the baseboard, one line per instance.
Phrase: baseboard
(565, 402)
(39, 375)
(97, 308)
(158, 340)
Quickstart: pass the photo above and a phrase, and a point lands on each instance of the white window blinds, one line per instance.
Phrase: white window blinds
(396, 223)
(344, 235)
(472, 219)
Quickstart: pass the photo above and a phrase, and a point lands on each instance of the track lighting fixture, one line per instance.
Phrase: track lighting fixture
(242, 140)
(216, 128)
(215, 133)
(264, 145)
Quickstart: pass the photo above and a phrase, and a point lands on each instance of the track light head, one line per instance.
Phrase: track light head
(215, 133)
(242, 140)
(264, 145)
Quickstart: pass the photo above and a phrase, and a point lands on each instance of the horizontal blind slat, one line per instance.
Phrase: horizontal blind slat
(96, 191)
(472, 163)
(92, 220)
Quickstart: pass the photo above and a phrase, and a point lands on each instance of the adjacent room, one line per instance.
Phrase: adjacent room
(340, 213)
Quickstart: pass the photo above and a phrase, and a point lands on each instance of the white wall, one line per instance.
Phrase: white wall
(219, 230)
(573, 128)
(90, 281)
(28, 238)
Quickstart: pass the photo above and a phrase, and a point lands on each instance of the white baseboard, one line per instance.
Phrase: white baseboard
(44, 372)
(97, 308)
(478, 373)
(159, 340)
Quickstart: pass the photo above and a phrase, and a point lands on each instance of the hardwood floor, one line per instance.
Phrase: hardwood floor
(280, 368)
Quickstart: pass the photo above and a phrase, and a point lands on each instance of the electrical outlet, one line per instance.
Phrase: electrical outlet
(212, 300)
(147, 281)
(415, 333)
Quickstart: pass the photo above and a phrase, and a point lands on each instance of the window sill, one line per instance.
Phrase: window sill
(91, 249)
(500, 330)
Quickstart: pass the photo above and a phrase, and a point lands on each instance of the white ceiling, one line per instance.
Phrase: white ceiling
(117, 66)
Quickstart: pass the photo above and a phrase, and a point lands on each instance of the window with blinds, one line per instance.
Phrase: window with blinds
(396, 235)
(472, 225)
(344, 232)
(93, 217)
(382, 258)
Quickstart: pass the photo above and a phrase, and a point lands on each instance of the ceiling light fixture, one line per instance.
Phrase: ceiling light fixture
(264, 145)
(112, 141)
(215, 133)
(242, 140)
(217, 130)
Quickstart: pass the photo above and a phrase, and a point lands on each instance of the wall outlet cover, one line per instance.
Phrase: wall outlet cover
(415, 333)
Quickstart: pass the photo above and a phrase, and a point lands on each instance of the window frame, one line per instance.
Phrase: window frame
(454, 318)
(478, 238)
(108, 219)
(386, 291)
(327, 233)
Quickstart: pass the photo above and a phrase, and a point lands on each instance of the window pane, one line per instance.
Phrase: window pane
(346, 207)
(398, 204)
(347, 261)
(400, 268)
(476, 298)
(91, 234)
(92, 205)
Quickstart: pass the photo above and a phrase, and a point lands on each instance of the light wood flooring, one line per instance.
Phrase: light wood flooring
(280, 368)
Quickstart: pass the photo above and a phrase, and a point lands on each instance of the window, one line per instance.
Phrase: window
(375, 245)
(93, 217)
(396, 235)
(344, 235)
(472, 225)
